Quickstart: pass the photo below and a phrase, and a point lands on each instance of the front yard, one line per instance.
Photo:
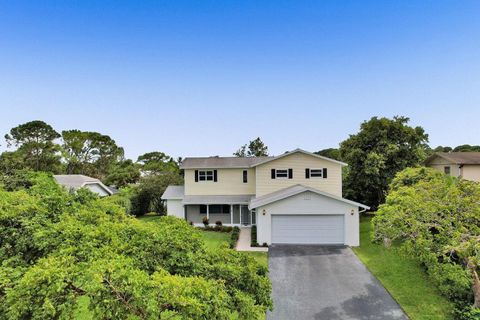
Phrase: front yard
(214, 240)
(404, 278)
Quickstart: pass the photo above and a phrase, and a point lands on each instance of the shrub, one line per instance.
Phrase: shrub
(253, 241)
(436, 218)
(218, 223)
(234, 237)
(205, 221)
(58, 247)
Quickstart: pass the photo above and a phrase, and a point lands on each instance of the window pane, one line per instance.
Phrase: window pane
(203, 209)
(215, 208)
(316, 172)
(282, 173)
(226, 208)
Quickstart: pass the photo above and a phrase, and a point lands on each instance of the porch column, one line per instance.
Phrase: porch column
(231, 214)
(208, 213)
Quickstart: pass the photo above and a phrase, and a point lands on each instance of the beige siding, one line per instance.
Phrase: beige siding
(471, 172)
(299, 162)
(230, 182)
(439, 164)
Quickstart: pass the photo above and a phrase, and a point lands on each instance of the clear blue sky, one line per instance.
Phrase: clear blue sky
(204, 77)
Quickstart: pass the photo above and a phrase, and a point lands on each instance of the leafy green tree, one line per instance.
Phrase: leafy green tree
(466, 148)
(59, 248)
(90, 153)
(255, 148)
(35, 143)
(147, 194)
(332, 153)
(376, 153)
(158, 162)
(436, 218)
(123, 173)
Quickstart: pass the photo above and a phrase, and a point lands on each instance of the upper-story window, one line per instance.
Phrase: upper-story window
(446, 169)
(245, 176)
(206, 175)
(282, 173)
(316, 173)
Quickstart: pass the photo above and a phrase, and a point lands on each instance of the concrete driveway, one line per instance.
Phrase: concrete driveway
(326, 282)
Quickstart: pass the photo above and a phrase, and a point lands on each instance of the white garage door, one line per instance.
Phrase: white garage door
(308, 229)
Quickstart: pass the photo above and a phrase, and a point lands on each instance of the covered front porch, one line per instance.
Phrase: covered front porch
(227, 214)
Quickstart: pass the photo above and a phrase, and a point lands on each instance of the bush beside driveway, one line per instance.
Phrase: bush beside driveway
(404, 278)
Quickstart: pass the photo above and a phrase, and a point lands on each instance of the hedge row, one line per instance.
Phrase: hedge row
(234, 237)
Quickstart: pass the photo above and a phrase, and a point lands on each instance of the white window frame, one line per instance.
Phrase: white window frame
(205, 175)
(279, 177)
(316, 173)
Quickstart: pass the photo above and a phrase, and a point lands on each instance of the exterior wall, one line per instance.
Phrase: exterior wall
(94, 187)
(308, 203)
(229, 182)
(175, 208)
(439, 164)
(471, 172)
(299, 162)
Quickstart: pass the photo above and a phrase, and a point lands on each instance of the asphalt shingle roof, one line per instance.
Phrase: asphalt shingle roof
(459, 157)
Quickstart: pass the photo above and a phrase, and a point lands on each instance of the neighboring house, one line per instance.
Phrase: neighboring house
(77, 181)
(292, 198)
(464, 165)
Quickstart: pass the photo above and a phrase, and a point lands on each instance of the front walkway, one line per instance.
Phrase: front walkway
(244, 241)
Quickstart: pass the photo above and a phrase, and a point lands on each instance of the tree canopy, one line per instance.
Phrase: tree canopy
(437, 219)
(376, 153)
(36, 145)
(90, 153)
(58, 248)
(255, 148)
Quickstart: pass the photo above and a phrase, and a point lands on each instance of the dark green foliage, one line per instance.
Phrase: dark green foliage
(122, 174)
(253, 241)
(234, 237)
(255, 148)
(146, 196)
(158, 162)
(437, 219)
(36, 147)
(57, 247)
(332, 153)
(376, 153)
(90, 153)
(217, 228)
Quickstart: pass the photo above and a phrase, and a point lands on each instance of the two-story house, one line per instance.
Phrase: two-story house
(294, 198)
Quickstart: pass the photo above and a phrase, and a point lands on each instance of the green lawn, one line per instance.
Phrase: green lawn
(214, 239)
(403, 277)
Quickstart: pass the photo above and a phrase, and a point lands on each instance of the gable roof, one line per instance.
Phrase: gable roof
(294, 190)
(76, 181)
(173, 192)
(299, 151)
(457, 157)
(241, 162)
(220, 162)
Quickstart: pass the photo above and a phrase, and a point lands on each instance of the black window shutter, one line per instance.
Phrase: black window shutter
(214, 175)
(290, 173)
(324, 173)
(196, 175)
(307, 173)
(273, 173)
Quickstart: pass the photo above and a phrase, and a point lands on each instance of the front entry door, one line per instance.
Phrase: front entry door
(245, 215)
